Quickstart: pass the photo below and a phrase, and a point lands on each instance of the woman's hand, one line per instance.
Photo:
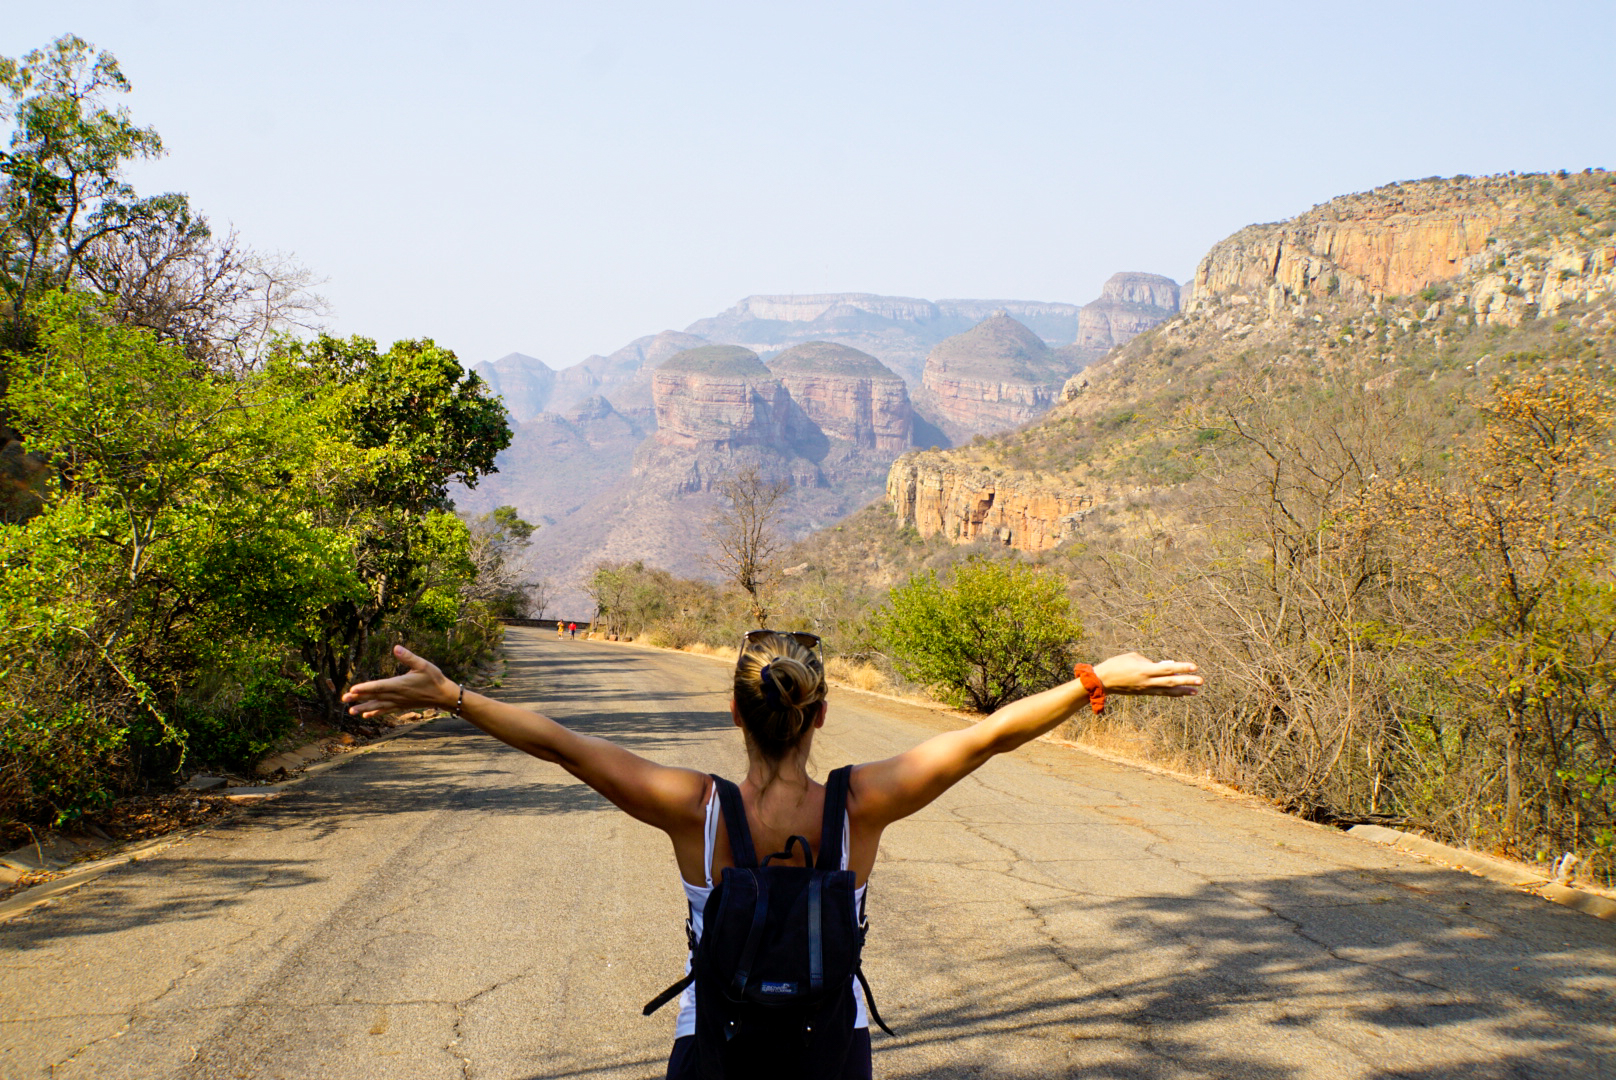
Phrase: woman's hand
(1132, 673)
(423, 686)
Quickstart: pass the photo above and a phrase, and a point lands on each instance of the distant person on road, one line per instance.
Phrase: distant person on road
(561, 629)
(778, 703)
(572, 628)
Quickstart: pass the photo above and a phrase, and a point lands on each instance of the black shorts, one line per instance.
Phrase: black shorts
(682, 1063)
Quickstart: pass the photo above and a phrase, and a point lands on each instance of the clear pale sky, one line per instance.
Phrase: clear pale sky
(557, 179)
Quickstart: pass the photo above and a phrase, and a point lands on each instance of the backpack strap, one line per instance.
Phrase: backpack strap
(830, 830)
(869, 1000)
(740, 835)
(668, 995)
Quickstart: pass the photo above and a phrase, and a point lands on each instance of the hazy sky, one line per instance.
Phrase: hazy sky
(557, 179)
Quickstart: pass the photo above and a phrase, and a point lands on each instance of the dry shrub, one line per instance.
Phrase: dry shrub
(1123, 733)
(1399, 633)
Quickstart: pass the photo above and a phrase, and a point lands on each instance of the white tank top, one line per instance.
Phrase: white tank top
(698, 894)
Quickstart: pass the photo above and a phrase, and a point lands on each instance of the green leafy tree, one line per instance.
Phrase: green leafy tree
(62, 187)
(174, 563)
(991, 633)
(415, 422)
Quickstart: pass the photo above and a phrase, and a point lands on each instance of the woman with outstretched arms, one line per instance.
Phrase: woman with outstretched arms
(778, 703)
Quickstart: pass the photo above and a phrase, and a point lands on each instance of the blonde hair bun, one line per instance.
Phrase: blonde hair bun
(778, 684)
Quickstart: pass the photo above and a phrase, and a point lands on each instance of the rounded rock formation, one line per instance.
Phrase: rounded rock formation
(848, 394)
(718, 397)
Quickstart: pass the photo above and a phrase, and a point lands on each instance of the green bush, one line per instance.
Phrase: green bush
(992, 632)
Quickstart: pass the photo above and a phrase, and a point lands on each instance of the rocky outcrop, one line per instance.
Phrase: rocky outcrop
(1129, 304)
(997, 375)
(964, 503)
(847, 395)
(719, 397)
(524, 383)
(1495, 249)
(1392, 241)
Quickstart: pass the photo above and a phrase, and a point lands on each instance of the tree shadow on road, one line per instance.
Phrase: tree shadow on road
(1260, 978)
(123, 897)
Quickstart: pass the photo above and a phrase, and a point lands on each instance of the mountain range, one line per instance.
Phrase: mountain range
(617, 456)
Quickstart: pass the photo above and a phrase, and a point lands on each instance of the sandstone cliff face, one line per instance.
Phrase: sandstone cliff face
(1129, 304)
(1508, 252)
(719, 397)
(1392, 241)
(994, 376)
(937, 495)
(847, 395)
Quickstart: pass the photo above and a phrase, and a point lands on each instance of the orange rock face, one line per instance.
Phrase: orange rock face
(718, 411)
(1391, 241)
(983, 404)
(869, 412)
(936, 495)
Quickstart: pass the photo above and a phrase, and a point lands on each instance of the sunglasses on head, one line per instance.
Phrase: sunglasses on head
(805, 639)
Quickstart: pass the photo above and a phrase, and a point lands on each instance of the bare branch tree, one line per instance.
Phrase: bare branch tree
(744, 535)
(539, 595)
(220, 300)
(496, 539)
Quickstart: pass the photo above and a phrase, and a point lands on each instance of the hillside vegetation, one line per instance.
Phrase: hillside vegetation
(209, 529)
(716, 360)
(1382, 521)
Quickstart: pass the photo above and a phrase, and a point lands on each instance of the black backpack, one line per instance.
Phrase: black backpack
(778, 954)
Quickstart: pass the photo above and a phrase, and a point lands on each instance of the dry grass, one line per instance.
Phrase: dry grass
(1119, 737)
(859, 676)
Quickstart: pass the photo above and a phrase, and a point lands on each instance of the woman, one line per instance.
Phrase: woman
(778, 703)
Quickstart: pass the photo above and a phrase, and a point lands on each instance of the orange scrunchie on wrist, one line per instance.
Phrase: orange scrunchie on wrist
(1091, 682)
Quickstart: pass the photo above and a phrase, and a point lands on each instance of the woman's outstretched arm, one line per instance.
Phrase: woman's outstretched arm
(668, 798)
(885, 791)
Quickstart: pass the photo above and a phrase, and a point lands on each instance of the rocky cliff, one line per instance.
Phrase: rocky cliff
(847, 395)
(997, 375)
(719, 397)
(966, 502)
(1129, 304)
(1388, 242)
(1425, 291)
(1501, 247)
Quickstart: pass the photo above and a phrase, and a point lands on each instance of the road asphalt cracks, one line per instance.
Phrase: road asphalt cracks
(448, 907)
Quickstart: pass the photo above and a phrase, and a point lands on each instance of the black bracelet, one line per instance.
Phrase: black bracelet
(461, 700)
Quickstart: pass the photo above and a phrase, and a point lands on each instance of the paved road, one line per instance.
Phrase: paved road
(446, 907)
